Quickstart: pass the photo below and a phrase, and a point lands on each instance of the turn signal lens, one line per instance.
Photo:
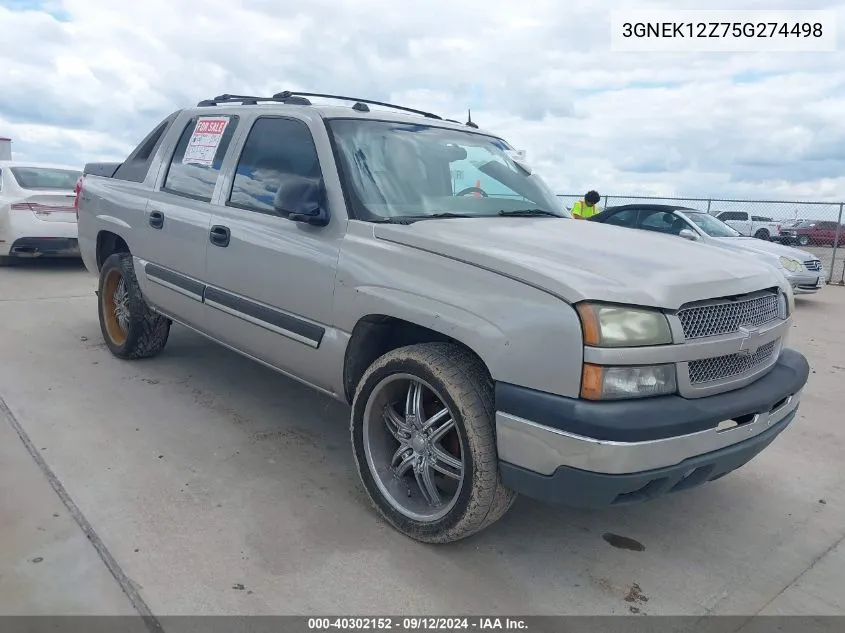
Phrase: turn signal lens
(621, 383)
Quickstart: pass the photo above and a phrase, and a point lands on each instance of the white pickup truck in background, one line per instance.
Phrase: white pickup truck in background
(750, 225)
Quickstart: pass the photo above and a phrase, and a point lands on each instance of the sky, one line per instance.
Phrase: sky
(85, 80)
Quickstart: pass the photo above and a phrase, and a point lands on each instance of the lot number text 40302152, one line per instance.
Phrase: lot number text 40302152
(416, 623)
(723, 31)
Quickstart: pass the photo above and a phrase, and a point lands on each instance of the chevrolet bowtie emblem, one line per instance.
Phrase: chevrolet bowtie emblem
(750, 342)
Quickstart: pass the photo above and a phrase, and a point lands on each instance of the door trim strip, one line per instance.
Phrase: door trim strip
(264, 316)
(272, 319)
(174, 281)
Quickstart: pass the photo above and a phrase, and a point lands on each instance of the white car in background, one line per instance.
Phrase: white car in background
(744, 223)
(37, 211)
(804, 271)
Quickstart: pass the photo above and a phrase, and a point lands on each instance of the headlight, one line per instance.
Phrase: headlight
(619, 383)
(620, 326)
(792, 265)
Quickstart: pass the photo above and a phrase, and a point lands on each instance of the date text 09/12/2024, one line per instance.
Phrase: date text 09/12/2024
(420, 623)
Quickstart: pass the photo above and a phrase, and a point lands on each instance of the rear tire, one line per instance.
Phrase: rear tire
(5, 260)
(428, 501)
(762, 234)
(130, 328)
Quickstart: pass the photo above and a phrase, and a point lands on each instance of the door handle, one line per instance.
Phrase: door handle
(219, 235)
(156, 219)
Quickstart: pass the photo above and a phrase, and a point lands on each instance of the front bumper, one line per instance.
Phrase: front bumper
(587, 454)
(807, 282)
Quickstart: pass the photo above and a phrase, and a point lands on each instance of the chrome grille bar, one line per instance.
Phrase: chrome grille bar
(726, 317)
(730, 366)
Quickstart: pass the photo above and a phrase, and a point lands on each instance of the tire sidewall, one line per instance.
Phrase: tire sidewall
(391, 364)
(121, 262)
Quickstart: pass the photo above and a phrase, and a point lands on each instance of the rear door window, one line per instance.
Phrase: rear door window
(195, 165)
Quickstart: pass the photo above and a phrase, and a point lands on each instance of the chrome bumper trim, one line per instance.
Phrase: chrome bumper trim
(543, 449)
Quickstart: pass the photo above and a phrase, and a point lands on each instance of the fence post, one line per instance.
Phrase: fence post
(605, 201)
(835, 246)
(708, 205)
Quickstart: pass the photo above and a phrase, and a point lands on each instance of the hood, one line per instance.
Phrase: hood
(754, 245)
(577, 260)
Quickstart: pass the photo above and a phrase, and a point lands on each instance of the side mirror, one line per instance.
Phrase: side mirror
(689, 234)
(302, 199)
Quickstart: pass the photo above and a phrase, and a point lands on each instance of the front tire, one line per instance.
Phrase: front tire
(130, 328)
(804, 240)
(423, 437)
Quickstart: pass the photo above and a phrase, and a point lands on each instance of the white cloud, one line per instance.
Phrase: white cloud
(91, 83)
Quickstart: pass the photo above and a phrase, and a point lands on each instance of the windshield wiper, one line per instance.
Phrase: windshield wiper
(529, 213)
(445, 214)
(408, 219)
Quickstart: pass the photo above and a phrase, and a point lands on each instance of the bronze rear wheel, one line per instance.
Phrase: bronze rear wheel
(114, 301)
(131, 329)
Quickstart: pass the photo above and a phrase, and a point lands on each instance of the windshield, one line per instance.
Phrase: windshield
(710, 225)
(403, 170)
(45, 177)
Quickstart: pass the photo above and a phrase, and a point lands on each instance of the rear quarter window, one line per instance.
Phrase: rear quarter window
(137, 164)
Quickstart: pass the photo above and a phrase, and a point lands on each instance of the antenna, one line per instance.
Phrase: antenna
(469, 122)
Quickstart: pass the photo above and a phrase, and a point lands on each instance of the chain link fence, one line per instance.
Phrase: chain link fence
(816, 227)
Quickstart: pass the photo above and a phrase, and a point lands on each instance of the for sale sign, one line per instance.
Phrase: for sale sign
(203, 144)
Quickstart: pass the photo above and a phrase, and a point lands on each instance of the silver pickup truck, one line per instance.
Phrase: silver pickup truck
(417, 269)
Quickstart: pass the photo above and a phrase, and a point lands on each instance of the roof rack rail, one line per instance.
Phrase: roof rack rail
(301, 98)
(287, 94)
(250, 100)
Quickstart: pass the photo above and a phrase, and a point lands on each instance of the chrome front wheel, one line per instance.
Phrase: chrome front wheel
(423, 438)
(413, 448)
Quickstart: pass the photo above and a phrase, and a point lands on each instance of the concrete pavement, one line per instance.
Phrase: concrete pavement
(220, 487)
(48, 565)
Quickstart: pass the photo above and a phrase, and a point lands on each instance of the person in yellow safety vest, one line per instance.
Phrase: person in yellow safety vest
(587, 207)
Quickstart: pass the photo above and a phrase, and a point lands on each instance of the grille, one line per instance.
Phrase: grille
(724, 367)
(813, 264)
(728, 316)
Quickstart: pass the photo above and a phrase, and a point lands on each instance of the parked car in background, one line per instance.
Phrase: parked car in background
(744, 223)
(487, 346)
(37, 214)
(785, 227)
(804, 271)
(813, 233)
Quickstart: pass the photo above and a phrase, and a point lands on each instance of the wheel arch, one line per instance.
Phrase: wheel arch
(109, 243)
(377, 334)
